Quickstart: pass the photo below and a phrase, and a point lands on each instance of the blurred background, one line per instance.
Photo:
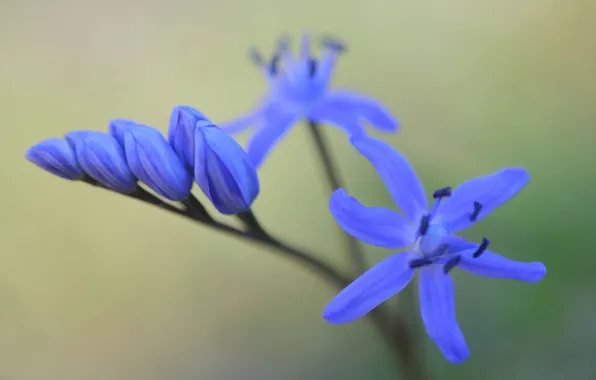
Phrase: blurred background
(96, 286)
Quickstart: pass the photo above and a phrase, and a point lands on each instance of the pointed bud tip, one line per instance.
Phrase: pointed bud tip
(55, 156)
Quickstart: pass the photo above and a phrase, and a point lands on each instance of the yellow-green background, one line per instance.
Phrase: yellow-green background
(96, 286)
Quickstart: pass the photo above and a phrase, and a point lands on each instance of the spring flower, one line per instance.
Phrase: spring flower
(428, 235)
(152, 160)
(221, 167)
(299, 88)
(57, 157)
(102, 158)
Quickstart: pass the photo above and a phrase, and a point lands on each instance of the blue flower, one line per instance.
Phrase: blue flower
(428, 237)
(221, 167)
(57, 157)
(299, 89)
(103, 159)
(152, 160)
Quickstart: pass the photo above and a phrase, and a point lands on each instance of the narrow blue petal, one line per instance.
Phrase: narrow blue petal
(181, 132)
(491, 191)
(373, 225)
(274, 127)
(372, 288)
(369, 109)
(305, 46)
(224, 171)
(153, 161)
(437, 306)
(347, 120)
(103, 159)
(57, 157)
(399, 177)
(243, 122)
(490, 264)
(118, 127)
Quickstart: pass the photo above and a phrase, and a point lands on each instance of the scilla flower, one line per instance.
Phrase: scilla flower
(220, 165)
(299, 89)
(57, 157)
(429, 236)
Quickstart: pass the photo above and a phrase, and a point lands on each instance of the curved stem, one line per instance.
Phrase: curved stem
(332, 175)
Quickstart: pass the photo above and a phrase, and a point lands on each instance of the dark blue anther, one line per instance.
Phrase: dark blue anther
(273, 65)
(476, 212)
(424, 222)
(417, 263)
(452, 263)
(333, 44)
(256, 57)
(483, 246)
(442, 193)
(312, 67)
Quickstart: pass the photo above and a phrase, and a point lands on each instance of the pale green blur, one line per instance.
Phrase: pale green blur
(96, 286)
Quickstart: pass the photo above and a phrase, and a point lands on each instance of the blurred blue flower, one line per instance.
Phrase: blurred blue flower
(221, 167)
(299, 89)
(103, 159)
(57, 157)
(152, 160)
(428, 235)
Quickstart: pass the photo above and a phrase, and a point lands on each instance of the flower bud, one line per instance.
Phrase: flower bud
(57, 157)
(183, 122)
(152, 160)
(223, 170)
(103, 159)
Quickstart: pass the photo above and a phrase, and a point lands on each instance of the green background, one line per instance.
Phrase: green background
(96, 286)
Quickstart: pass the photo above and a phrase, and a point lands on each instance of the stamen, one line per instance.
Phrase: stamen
(333, 44)
(312, 67)
(256, 57)
(273, 65)
(483, 246)
(442, 193)
(417, 263)
(424, 223)
(476, 212)
(452, 263)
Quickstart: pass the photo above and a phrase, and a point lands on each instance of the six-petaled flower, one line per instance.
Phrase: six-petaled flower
(429, 238)
(299, 89)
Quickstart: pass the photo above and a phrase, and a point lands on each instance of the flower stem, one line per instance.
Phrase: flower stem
(251, 221)
(332, 174)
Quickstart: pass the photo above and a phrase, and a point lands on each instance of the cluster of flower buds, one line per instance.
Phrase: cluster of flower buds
(131, 152)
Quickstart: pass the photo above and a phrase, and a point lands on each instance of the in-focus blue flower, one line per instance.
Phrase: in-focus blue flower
(103, 159)
(428, 235)
(57, 157)
(221, 167)
(299, 88)
(152, 160)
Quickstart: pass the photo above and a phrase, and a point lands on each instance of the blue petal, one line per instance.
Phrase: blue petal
(437, 306)
(181, 132)
(57, 157)
(399, 177)
(369, 109)
(118, 127)
(103, 159)
(224, 171)
(373, 225)
(154, 162)
(490, 264)
(344, 119)
(491, 191)
(243, 122)
(373, 287)
(275, 126)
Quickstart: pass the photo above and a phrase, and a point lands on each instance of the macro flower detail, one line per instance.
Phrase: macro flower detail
(431, 246)
(57, 157)
(299, 89)
(221, 167)
(152, 160)
(103, 159)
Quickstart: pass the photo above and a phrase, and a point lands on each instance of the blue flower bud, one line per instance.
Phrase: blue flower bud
(103, 159)
(57, 157)
(183, 122)
(223, 170)
(152, 160)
